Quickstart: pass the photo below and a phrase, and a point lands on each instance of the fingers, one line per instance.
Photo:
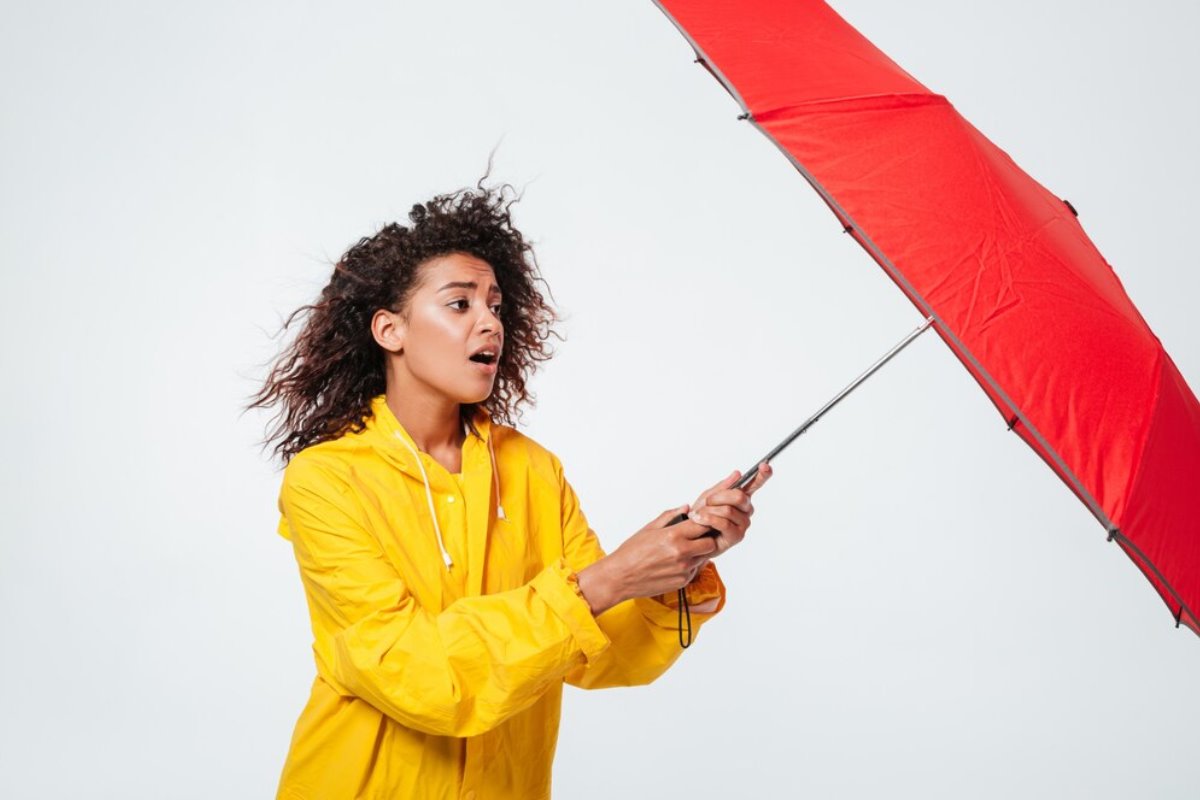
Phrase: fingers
(718, 492)
(698, 547)
(686, 527)
(731, 522)
(716, 521)
(760, 477)
(663, 519)
(724, 483)
(737, 498)
(715, 515)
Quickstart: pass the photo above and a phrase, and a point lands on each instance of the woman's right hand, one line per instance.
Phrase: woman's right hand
(657, 559)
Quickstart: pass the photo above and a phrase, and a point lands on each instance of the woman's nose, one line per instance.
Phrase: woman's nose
(489, 321)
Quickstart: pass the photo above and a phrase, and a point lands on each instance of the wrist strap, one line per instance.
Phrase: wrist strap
(684, 609)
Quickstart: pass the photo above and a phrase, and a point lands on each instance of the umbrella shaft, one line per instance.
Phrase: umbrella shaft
(808, 423)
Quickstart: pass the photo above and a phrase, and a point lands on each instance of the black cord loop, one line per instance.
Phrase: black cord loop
(684, 608)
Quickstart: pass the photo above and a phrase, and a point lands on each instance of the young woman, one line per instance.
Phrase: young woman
(452, 579)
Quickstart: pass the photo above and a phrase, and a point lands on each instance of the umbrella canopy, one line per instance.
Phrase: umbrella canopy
(1015, 287)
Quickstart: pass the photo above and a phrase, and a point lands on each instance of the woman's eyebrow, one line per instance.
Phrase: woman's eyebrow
(468, 285)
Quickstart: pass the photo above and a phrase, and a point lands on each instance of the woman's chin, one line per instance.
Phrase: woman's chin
(476, 396)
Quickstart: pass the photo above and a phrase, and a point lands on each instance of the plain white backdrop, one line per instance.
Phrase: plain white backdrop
(921, 608)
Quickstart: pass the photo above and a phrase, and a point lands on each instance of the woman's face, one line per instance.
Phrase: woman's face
(453, 314)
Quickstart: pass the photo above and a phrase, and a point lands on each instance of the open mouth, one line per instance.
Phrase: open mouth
(485, 358)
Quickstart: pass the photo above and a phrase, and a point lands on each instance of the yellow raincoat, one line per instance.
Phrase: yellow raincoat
(438, 681)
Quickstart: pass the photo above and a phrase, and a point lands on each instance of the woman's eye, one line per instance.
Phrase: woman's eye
(463, 305)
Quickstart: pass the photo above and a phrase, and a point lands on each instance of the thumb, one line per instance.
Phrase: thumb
(724, 483)
(671, 513)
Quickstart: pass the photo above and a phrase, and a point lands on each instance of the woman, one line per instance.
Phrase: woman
(451, 576)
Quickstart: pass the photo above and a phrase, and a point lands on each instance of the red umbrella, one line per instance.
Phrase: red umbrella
(1012, 283)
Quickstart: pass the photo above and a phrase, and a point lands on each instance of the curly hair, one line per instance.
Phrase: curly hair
(325, 379)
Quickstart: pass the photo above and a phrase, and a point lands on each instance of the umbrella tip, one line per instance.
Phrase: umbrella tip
(746, 115)
(1068, 202)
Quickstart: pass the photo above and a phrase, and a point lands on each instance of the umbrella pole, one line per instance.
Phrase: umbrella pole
(808, 423)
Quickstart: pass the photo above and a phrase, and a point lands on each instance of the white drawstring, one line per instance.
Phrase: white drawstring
(428, 497)
(496, 479)
(429, 493)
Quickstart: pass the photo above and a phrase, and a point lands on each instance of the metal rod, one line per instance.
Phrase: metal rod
(808, 423)
(684, 609)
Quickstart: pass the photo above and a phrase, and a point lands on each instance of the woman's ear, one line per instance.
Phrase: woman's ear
(388, 329)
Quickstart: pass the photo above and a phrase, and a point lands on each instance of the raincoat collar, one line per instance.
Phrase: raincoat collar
(480, 474)
(385, 421)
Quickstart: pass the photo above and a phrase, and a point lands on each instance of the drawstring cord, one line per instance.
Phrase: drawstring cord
(496, 478)
(429, 499)
(429, 493)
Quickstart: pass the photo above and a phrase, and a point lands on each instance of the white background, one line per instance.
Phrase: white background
(921, 610)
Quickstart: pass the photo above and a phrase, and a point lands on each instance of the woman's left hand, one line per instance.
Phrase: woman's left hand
(727, 510)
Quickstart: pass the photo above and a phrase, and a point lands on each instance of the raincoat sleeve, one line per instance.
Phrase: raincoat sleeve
(455, 673)
(644, 631)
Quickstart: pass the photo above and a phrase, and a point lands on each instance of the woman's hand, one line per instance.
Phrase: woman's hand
(661, 558)
(727, 511)
(658, 558)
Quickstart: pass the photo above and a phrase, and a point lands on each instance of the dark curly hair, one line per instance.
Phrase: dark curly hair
(326, 378)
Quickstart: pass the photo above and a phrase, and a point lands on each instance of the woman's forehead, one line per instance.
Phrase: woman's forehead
(457, 269)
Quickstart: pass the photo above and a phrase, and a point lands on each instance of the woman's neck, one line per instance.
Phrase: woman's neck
(435, 427)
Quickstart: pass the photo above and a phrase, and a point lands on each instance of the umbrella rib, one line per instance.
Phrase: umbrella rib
(702, 59)
(1124, 542)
